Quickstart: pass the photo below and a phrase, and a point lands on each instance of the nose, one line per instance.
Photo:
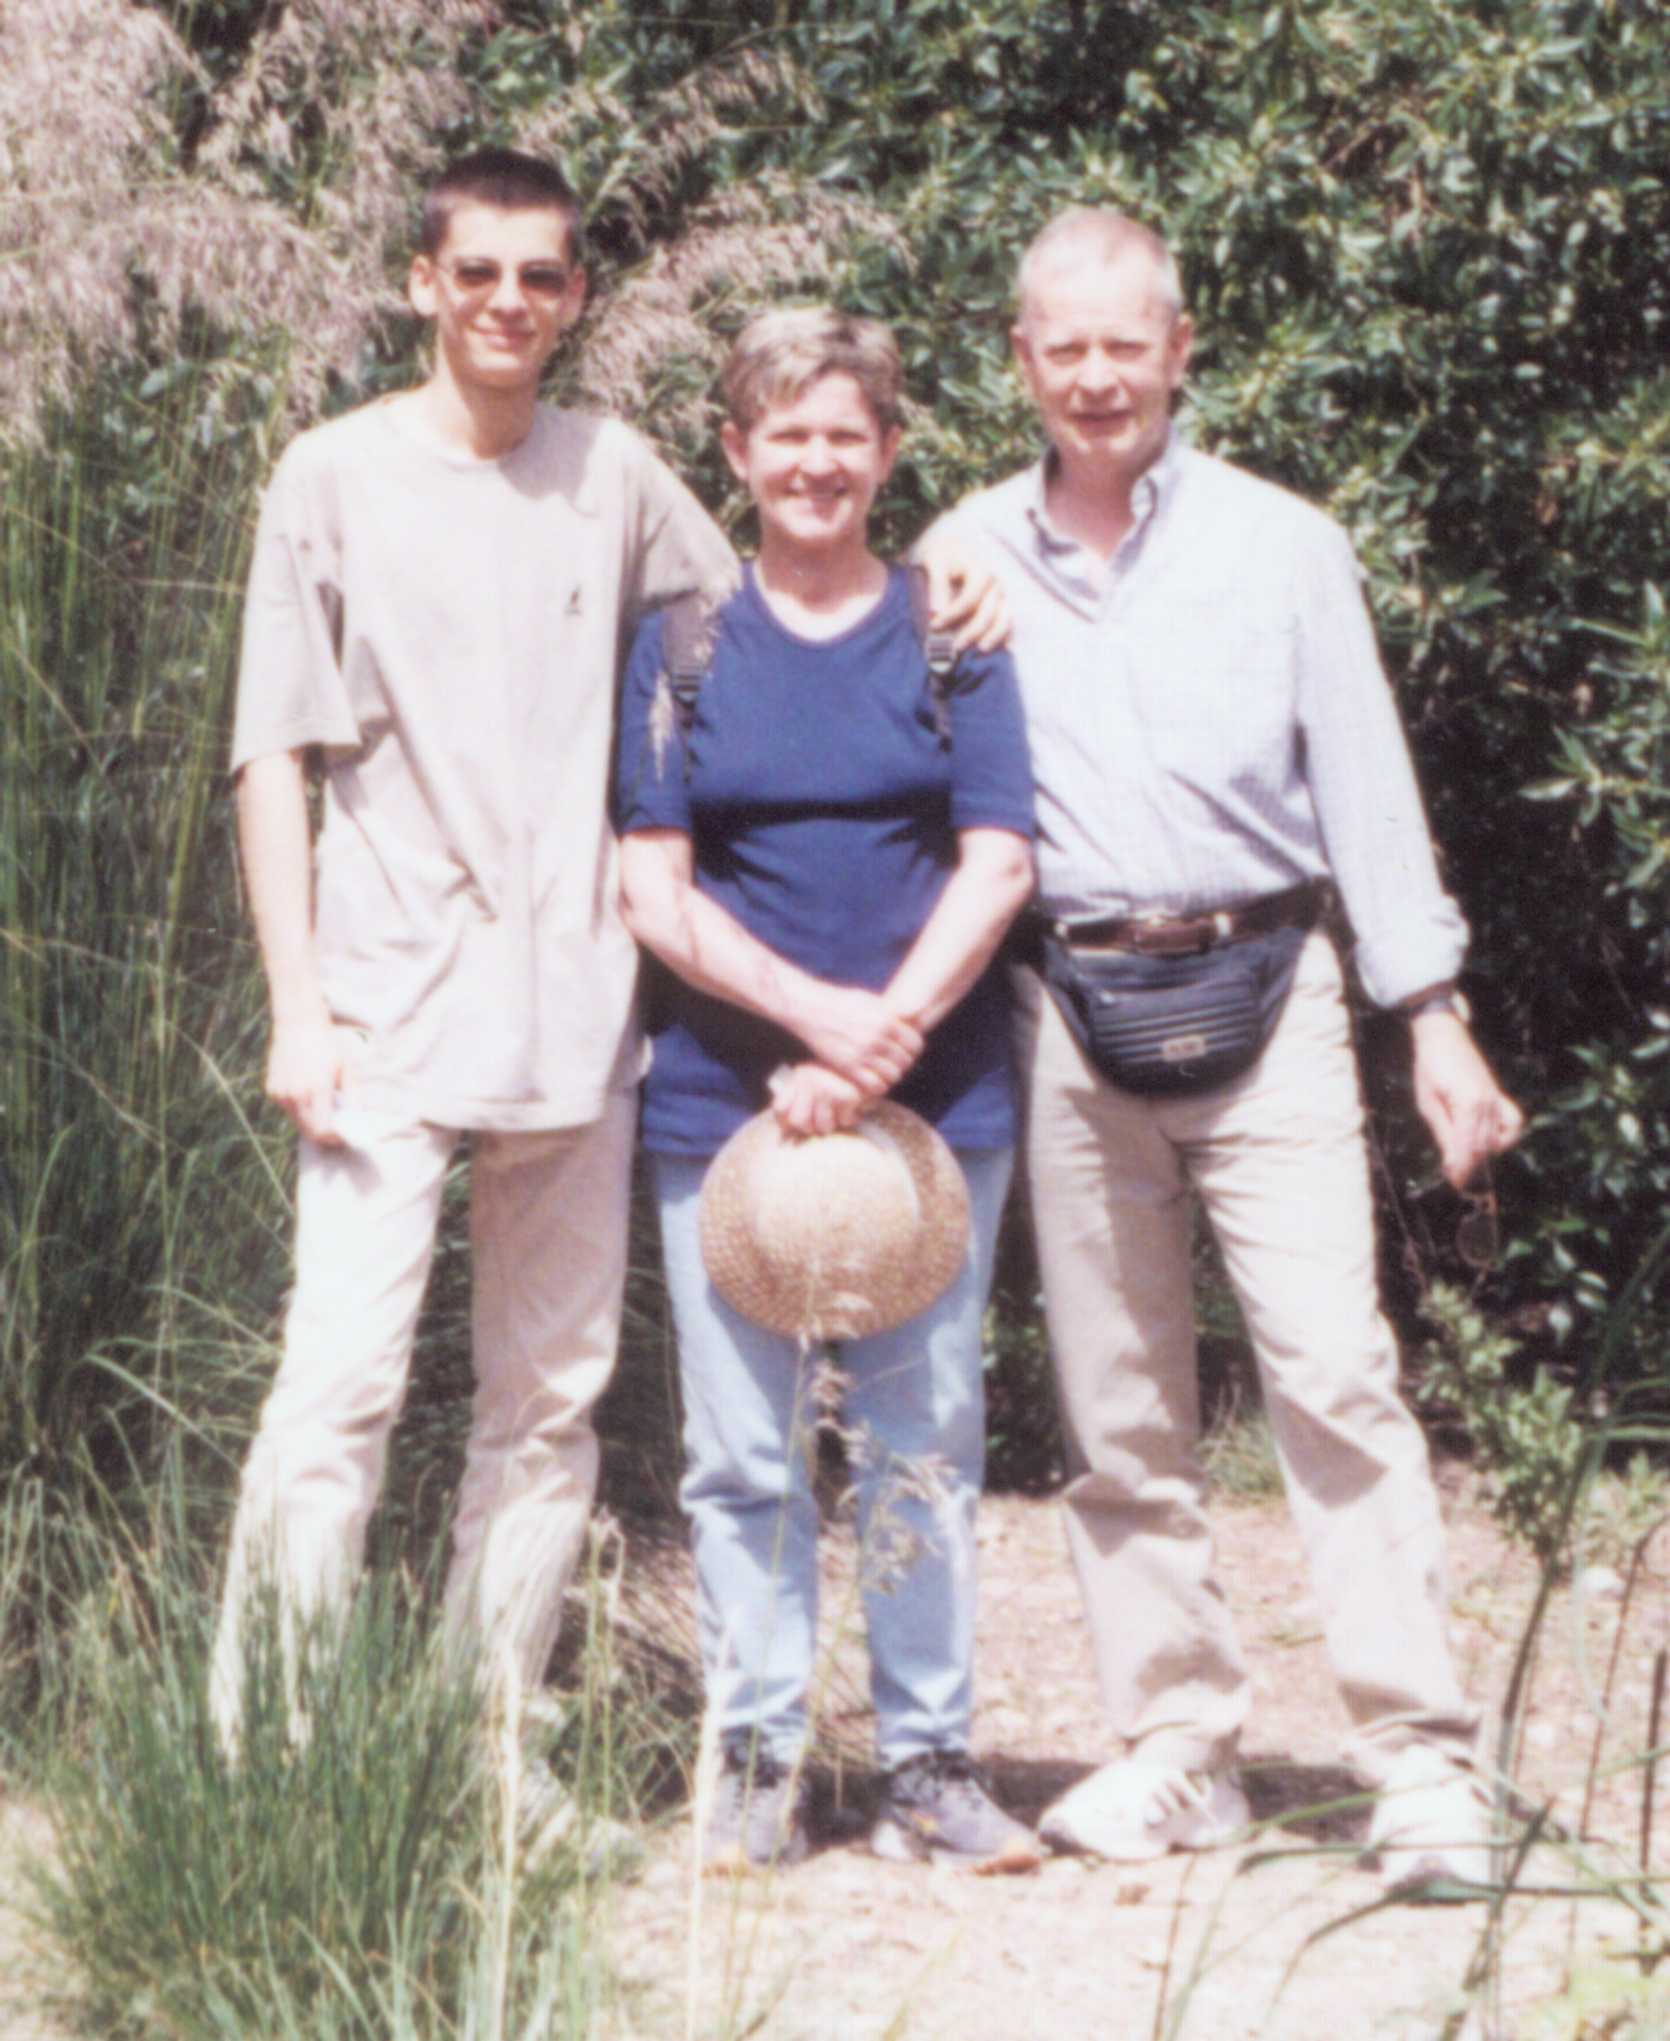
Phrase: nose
(1098, 372)
(507, 295)
(818, 455)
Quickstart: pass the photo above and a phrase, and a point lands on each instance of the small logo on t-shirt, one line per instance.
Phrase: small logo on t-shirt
(576, 605)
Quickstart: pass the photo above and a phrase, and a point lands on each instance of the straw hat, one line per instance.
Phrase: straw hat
(834, 1236)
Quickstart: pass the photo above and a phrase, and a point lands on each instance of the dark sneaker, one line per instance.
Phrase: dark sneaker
(758, 1816)
(935, 1806)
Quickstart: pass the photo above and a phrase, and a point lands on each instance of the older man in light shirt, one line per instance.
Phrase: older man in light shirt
(1216, 752)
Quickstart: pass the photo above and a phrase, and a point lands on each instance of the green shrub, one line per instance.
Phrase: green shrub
(1023, 1426)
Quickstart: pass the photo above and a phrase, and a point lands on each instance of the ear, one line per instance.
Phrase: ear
(575, 302)
(735, 443)
(1021, 348)
(1181, 346)
(420, 287)
(890, 449)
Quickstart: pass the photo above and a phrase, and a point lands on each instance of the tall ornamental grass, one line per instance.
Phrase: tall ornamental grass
(141, 1214)
(361, 1869)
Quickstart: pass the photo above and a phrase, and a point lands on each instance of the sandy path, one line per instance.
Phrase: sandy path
(1215, 1947)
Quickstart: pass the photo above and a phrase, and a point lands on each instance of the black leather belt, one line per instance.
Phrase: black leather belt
(1184, 935)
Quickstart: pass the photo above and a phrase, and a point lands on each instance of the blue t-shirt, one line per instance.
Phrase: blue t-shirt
(823, 805)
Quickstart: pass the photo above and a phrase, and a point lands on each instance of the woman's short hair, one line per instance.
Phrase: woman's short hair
(778, 355)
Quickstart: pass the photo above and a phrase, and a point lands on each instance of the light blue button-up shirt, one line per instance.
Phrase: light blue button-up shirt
(1208, 716)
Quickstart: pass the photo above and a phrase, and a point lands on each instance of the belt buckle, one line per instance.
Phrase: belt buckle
(1209, 930)
(1148, 926)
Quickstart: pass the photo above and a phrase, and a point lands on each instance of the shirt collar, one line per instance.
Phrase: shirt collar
(1154, 489)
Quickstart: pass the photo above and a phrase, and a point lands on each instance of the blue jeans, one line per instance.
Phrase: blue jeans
(914, 1398)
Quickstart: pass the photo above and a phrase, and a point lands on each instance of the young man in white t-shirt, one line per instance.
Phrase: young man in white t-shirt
(441, 586)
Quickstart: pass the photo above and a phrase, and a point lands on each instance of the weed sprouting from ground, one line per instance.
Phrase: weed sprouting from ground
(1528, 1437)
(1239, 1456)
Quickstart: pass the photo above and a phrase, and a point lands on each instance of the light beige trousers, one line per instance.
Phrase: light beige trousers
(1277, 1159)
(548, 1241)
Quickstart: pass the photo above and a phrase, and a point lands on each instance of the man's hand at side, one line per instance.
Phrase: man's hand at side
(1469, 1115)
(306, 1071)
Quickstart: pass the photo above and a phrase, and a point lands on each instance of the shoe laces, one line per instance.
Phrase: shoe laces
(753, 1764)
(930, 1768)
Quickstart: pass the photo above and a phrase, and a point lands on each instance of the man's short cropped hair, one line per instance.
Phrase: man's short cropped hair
(498, 177)
(1098, 234)
(778, 356)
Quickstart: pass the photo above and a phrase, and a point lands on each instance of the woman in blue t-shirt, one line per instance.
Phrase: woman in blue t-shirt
(827, 859)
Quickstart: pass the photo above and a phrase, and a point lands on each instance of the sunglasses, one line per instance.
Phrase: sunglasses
(1478, 1233)
(474, 275)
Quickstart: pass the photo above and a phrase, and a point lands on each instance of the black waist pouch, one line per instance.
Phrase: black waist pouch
(1167, 1026)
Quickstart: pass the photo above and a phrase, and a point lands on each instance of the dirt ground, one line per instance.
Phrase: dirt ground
(1285, 1939)
(25, 1971)
(1269, 1941)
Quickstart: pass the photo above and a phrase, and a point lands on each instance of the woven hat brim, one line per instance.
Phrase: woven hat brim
(834, 1236)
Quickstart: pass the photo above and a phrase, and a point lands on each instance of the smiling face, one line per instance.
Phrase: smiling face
(1102, 352)
(813, 464)
(502, 289)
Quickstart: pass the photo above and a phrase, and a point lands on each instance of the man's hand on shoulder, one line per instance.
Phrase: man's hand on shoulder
(964, 594)
(307, 1066)
(1470, 1116)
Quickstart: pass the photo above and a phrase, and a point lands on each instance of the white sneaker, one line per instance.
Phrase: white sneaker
(1136, 1808)
(1431, 1822)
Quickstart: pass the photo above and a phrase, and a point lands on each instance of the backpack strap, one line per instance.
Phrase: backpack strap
(939, 651)
(689, 627)
(689, 632)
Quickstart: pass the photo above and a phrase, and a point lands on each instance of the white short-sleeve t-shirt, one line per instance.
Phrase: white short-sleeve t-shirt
(447, 633)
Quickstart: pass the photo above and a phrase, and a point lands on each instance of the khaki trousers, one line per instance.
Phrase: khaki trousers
(1277, 1159)
(548, 1241)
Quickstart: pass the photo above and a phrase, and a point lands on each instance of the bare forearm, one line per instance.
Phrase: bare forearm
(854, 1031)
(712, 951)
(991, 884)
(274, 837)
(305, 1066)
